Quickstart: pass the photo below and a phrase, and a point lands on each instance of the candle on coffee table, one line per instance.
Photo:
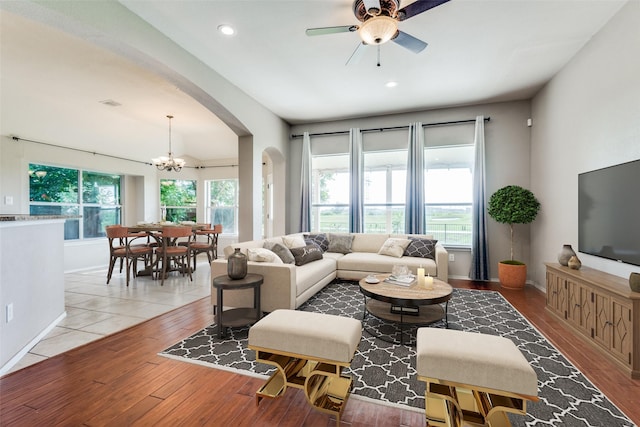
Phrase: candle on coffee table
(429, 282)
(421, 277)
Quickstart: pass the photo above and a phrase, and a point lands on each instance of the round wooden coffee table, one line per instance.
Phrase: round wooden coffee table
(405, 305)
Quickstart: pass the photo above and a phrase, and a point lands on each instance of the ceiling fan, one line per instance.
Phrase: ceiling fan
(379, 24)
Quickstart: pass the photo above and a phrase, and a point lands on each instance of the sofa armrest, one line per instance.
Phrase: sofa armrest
(278, 289)
(442, 263)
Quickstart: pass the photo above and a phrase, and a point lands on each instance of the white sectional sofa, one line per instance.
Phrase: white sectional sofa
(287, 286)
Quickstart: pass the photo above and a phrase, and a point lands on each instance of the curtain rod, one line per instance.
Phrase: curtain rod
(17, 139)
(346, 132)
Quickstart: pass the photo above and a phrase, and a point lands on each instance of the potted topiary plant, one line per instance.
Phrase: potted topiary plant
(513, 205)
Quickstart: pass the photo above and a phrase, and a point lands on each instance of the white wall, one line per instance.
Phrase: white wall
(507, 160)
(31, 280)
(586, 118)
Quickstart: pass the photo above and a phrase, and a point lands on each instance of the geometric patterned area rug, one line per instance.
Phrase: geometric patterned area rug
(386, 373)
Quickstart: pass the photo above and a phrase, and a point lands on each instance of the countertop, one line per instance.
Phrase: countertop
(28, 217)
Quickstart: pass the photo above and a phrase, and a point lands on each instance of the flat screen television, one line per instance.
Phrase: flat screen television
(609, 212)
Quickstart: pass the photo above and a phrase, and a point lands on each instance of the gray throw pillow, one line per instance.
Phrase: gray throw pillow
(307, 254)
(421, 248)
(319, 239)
(340, 243)
(282, 251)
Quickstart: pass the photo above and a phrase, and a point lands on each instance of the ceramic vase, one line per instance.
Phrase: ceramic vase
(565, 254)
(237, 265)
(574, 263)
(634, 282)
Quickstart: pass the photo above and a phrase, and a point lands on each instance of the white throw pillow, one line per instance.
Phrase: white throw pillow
(263, 255)
(294, 242)
(394, 247)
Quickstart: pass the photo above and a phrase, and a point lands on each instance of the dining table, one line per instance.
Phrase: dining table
(153, 230)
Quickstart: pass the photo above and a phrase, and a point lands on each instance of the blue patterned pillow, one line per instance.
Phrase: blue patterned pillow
(318, 239)
(421, 248)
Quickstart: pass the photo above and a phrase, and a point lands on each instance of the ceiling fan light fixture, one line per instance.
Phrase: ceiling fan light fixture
(378, 30)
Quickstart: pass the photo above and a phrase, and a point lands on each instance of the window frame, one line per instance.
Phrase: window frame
(76, 229)
(446, 235)
(174, 212)
(208, 211)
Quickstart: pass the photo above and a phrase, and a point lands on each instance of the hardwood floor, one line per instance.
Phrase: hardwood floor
(120, 380)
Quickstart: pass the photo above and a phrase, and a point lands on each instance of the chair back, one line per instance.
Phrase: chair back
(116, 231)
(176, 231)
(217, 228)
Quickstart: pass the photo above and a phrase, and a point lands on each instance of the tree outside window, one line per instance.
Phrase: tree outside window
(178, 200)
(55, 191)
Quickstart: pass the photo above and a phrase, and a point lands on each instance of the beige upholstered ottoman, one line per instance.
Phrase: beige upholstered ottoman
(309, 350)
(472, 377)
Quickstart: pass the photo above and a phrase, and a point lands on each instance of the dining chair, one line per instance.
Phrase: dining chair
(217, 230)
(127, 247)
(175, 248)
(207, 246)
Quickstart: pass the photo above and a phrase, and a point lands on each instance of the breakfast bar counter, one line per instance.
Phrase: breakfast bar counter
(31, 281)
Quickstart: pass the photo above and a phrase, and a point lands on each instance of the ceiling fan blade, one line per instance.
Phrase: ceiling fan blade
(409, 42)
(357, 54)
(417, 7)
(331, 30)
(372, 6)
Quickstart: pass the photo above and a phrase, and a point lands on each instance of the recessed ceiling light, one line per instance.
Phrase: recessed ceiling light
(226, 29)
(391, 84)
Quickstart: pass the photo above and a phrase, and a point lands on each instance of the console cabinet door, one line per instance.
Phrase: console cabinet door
(556, 294)
(579, 307)
(602, 321)
(622, 331)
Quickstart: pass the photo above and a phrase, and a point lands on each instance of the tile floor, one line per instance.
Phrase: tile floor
(95, 309)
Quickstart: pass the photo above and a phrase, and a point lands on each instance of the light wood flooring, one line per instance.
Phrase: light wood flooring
(120, 380)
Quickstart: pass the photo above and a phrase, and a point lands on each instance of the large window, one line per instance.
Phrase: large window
(222, 204)
(56, 191)
(178, 200)
(330, 193)
(385, 180)
(448, 193)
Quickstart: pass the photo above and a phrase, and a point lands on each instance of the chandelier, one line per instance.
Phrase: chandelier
(168, 163)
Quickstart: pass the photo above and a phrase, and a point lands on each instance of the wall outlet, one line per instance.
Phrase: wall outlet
(9, 312)
(452, 257)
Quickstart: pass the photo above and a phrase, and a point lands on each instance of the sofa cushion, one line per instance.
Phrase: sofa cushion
(308, 275)
(263, 255)
(394, 247)
(423, 248)
(295, 241)
(376, 263)
(319, 239)
(369, 242)
(307, 254)
(340, 243)
(282, 251)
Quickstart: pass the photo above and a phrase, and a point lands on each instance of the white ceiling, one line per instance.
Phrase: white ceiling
(479, 51)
